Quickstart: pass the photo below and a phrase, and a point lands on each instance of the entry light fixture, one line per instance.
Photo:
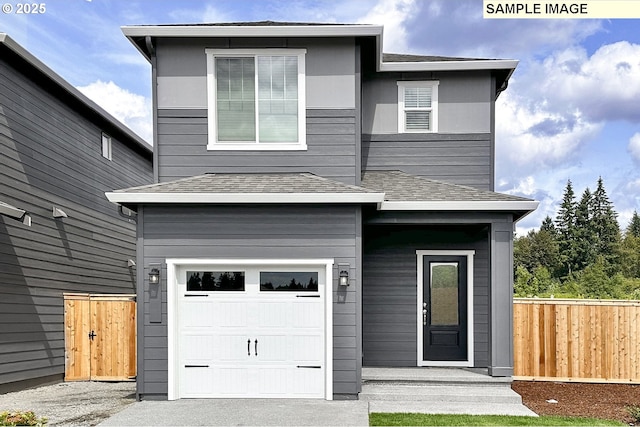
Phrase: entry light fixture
(154, 276)
(131, 263)
(343, 280)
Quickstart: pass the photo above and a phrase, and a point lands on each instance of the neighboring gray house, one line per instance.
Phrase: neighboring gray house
(319, 206)
(59, 153)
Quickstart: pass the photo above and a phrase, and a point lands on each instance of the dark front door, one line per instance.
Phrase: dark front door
(444, 308)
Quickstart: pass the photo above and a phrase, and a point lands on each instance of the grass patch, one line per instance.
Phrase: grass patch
(386, 419)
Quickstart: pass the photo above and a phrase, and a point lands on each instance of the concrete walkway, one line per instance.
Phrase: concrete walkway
(243, 412)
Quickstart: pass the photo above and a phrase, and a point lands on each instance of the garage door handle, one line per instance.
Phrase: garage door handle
(248, 347)
(256, 347)
(309, 366)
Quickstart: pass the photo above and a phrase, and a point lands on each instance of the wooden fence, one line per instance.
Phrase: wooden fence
(100, 337)
(577, 340)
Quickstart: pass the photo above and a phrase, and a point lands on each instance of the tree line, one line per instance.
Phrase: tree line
(581, 253)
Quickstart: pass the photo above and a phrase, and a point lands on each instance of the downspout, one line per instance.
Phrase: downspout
(154, 104)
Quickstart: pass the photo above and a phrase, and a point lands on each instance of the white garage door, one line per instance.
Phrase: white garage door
(251, 331)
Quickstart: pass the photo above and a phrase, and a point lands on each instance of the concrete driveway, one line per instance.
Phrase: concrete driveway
(244, 412)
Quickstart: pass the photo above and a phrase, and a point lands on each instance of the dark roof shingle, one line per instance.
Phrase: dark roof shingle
(402, 187)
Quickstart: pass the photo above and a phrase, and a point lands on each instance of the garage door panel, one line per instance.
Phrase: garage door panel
(307, 348)
(196, 314)
(198, 347)
(273, 382)
(308, 382)
(273, 314)
(231, 382)
(307, 314)
(230, 314)
(198, 382)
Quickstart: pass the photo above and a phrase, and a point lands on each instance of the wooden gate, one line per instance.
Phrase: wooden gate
(100, 337)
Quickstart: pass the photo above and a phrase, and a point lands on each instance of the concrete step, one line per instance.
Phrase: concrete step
(450, 408)
(430, 393)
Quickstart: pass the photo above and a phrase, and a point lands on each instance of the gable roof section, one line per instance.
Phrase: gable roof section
(54, 79)
(389, 190)
(407, 192)
(141, 37)
(247, 188)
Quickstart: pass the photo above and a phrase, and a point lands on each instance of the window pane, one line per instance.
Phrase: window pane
(417, 97)
(444, 294)
(417, 120)
(300, 281)
(235, 94)
(215, 280)
(278, 98)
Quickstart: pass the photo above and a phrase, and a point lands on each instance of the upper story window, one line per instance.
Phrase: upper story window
(256, 99)
(418, 106)
(106, 146)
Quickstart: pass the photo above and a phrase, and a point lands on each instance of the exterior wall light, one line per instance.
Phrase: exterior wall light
(343, 279)
(154, 276)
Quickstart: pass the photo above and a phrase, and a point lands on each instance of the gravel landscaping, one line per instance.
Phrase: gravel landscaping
(73, 403)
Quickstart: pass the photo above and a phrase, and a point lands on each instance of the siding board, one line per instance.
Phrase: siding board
(331, 148)
(457, 158)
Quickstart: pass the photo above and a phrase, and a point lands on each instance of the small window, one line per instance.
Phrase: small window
(256, 99)
(106, 146)
(299, 281)
(215, 280)
(417, 107)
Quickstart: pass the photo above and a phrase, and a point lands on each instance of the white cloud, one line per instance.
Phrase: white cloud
(634, 147)
(604, 86)
(393, 14)
(530, 135)
(131, 109)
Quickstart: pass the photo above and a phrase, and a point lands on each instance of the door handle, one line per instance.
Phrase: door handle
(256, 347)
(92, 335)
(248, 347)
(424, 316)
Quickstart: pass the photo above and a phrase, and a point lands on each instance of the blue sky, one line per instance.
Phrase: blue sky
(572, 109)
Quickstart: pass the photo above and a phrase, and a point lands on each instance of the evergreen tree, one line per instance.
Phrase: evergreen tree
(547, 225)
(605, 227)
(566, 228)
(634, 226)
(584, 236)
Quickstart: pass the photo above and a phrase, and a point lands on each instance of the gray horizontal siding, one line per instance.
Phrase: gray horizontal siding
(390, 289)
(331, 148)
(290, 232)
(50, 155)
(464, 159)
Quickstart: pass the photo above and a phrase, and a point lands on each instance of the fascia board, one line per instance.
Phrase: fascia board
(496, 205)
(485, 64)
(252, 31)
(244, 198)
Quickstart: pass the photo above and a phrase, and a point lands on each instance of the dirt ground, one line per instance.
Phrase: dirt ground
(579, 399)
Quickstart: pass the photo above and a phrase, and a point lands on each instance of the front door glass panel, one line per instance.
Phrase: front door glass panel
(444, 293)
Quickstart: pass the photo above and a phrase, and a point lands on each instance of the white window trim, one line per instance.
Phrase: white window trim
(402, 85)
(173, 392)
(213, 144)
(470, 350)
(104, 137)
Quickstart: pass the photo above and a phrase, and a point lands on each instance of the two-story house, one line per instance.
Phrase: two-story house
(319, 206)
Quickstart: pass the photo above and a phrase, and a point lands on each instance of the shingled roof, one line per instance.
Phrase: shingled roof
(247, 188)
(399, 186)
